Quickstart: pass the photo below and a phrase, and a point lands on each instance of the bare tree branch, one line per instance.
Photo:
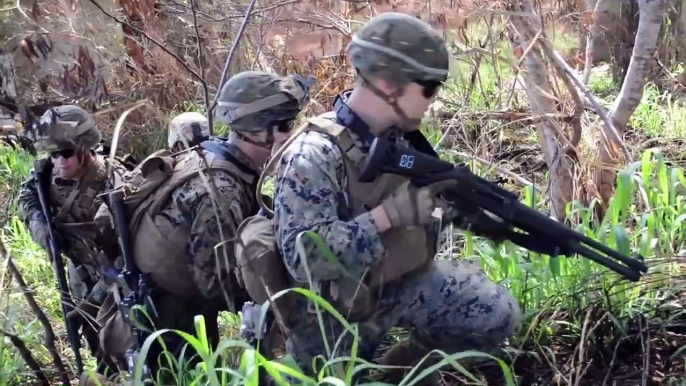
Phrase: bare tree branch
(200, 59)
(610, 129)
(40, 315)
(157, 43)
(28, 357)
(232, 52)
(278, 4)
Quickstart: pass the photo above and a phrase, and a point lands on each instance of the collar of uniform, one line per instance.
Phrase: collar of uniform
(362, 134)
(345, 116)
(232, 149)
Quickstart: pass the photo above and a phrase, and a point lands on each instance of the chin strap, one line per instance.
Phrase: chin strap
(406, 122)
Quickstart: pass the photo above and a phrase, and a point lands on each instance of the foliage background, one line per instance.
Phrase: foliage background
(582, 325)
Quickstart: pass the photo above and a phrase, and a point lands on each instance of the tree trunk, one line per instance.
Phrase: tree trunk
(613, 26)
(594, 30)
(681, 39)
(651, 13)
(539, 91)
(8, 79)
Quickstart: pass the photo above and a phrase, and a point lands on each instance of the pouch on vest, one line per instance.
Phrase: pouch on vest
(258, 259)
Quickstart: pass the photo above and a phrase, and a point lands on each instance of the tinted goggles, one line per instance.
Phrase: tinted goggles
(430, 87)
(66, 153)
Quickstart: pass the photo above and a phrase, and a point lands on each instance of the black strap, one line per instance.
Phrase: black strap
(214, 147)
(197, 131)
(347, 117)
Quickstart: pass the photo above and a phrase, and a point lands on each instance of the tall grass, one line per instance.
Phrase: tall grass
(646, 215)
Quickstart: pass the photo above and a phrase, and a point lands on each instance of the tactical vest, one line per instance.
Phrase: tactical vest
(407, 249)
(159, 245)
(77, 209)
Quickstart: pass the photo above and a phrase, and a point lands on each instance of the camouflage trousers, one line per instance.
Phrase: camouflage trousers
(451, 306)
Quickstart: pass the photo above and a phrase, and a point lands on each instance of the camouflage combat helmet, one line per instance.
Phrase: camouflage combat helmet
(254, 100)
(399, 49)
(192, 126)
(66, 127)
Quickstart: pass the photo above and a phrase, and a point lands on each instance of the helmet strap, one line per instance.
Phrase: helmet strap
(392, 100)
(82, 155)
(267, 144)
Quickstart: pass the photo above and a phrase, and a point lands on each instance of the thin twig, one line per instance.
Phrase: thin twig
(263, 35)
(28, 357)
(506, 172)
(157, 43)
(574, 92)
(258, 11)
(206, 92)
(612, 362)
(646, 356)
(40, 315)
(511, 116)
(609, 126)
(232, 52)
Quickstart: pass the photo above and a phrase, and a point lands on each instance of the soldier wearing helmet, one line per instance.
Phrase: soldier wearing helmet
(77, 176)
(183, 230)
(188, 129)
(384, 233)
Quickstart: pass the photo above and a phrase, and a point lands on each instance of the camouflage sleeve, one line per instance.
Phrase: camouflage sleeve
(309, 190)
(28, 202)
(209, 249)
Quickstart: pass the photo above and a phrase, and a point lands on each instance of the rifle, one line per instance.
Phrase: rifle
(135, 287)
(477, 201)
(43, 170)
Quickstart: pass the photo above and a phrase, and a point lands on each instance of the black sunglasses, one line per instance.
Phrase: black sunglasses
(284, 126)
(66, 153)
(431, 87)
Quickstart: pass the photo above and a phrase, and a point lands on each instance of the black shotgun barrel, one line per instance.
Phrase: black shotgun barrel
(476, 195)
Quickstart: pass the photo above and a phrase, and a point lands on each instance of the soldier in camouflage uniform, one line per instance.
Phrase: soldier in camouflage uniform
(183, 237)
(384, 234)
(78, 176)
(192, 126)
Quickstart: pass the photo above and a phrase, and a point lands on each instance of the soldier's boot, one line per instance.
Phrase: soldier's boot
(89, 378)
(408, 353)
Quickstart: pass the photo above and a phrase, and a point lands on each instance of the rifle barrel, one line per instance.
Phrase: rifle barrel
(58, 267)
(122, 227)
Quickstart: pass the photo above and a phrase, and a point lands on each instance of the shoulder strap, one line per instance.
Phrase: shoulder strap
(85, 189)
(190, 166)
(325, 124)
(221, 152)
(328, 125)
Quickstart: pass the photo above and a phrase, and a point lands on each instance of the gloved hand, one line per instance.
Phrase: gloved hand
(39, 231)
(412, 206)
